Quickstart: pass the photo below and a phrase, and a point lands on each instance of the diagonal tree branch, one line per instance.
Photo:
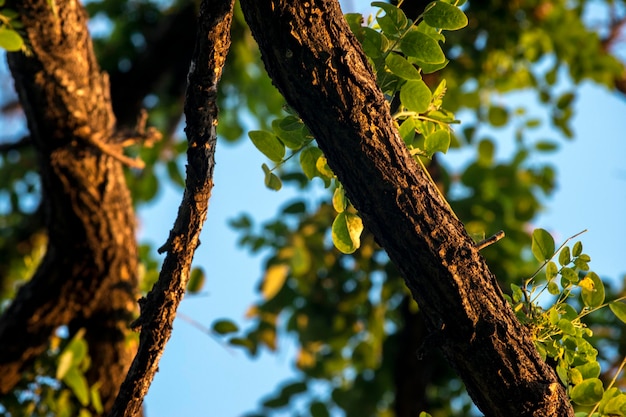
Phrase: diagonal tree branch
(158, 309)
(320, 68)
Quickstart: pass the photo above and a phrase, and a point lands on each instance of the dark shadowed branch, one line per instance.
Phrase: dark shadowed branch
(158, 309)
(319, 66)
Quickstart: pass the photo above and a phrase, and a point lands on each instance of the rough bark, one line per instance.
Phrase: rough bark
(319, 67)
(158, 309)
(88, 276)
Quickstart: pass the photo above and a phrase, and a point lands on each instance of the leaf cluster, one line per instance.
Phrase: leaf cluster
(559, 330)
(65, 392)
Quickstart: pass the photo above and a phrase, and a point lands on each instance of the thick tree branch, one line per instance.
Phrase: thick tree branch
(88, 275)
(159, 308)
(321, 70)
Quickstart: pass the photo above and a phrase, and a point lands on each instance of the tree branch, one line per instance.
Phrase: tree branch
(88, 277)
(320, 68)
(158, 309)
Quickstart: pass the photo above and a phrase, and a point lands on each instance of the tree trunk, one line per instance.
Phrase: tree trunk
(319, 67)
(88, 278)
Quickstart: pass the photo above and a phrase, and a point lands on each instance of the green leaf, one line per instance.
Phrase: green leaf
(542, 245)
(402, 68)
(268, 144)
(619, 309)
(546, 146)
(318, 409)
(374, 43)
(293, 388)
(615, 406)
(553, 288)
(439, 141)
(271, 180)
(486, 152)
(308, 161)
(339, 199)
(225, 327)
(565, 101)
(577, 249)
(551, 271)
(566, 326)
(498, 116)
(588, 392)
(196, 280)
(346, 232)
(73, 354)
(274, 279)
(422, 47)
(444, 16)
(78, 384)
(96, 401)
(415, 96)
(589, 370)
(243, 342)
(564, 256)
(291, 131)
(592, 292)
(569, 274)
(323, 168)
(394, 22)
(407, 131)
(10, 40)
(428, 68)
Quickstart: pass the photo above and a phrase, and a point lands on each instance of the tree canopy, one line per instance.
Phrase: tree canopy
(328, 283)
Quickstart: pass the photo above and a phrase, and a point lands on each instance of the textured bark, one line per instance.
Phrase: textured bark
(158, 309)
(319, 67)
(88, 276)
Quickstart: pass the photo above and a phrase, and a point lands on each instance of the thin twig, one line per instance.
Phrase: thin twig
(490, 240)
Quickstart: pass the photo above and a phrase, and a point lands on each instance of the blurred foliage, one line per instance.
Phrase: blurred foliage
(512, 74)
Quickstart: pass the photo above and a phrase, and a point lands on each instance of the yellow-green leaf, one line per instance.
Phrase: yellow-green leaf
(78, 384)
(542, 245)
(592, 295)
(415, 96)
(441, 15)
(271, 180)
(422, 47)
(224, 327)
(196, 280)
(291, 131)
(268, 144)
(588, 392)
(339, 199)
(346, 232)
(439, 141)
(619, 309)
(308, 161)
(402, 68)
(10, 40)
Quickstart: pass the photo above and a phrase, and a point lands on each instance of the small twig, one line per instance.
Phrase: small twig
(123, 139)
(204, 329)
(490, 240)
(114, 152)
